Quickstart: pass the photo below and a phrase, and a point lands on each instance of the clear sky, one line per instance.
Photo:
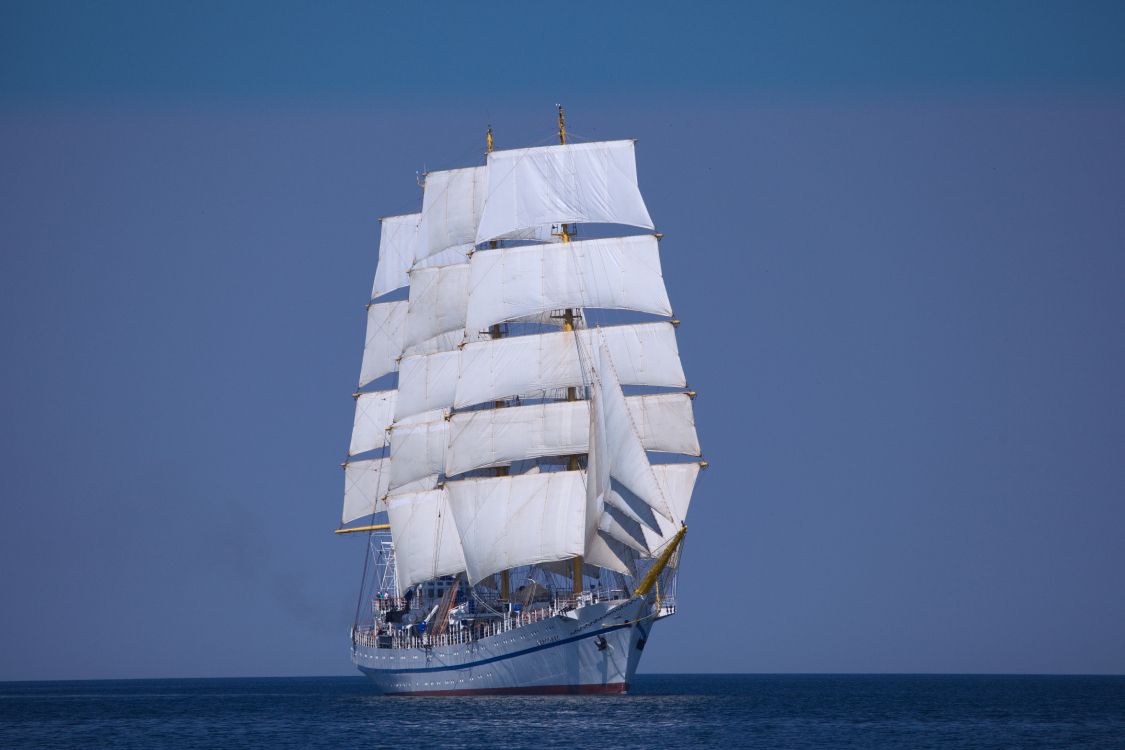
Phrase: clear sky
(894, 232)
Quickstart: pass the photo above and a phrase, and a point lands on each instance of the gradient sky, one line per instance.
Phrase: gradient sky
(894, 232)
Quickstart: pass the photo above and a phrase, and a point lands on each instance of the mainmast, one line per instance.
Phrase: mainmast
(496, 332)
(571, 391)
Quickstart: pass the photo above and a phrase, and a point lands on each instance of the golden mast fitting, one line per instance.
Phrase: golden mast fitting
(375, 527)
(661, 562)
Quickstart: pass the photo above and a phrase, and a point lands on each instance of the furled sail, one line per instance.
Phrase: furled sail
(397, 239)
(617, 273)
(425, 536)
(505, 522)
(374, 413)
(583, 182)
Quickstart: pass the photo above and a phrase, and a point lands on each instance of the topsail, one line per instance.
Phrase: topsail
(575, 183)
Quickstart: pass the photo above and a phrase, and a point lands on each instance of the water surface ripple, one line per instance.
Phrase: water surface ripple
(662, 711)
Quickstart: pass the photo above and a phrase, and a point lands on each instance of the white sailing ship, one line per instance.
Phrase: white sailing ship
(521, 473)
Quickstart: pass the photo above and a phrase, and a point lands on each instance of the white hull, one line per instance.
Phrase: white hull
(592, 649)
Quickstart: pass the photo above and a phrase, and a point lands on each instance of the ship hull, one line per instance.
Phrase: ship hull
(593, 649)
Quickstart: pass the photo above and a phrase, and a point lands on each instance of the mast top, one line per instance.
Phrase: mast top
(562, 125)
(489, 139)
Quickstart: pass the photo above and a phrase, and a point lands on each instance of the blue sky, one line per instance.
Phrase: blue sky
(893, 233)
(166, 51)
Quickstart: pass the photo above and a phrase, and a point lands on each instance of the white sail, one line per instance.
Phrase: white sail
(490, 370)
(664, 422)
(364, 485)
(628, 463)
(505, 522)
(417, 450)
(617, 273)
(601, 550)
(425, 537)
(385, 326)
(443, 342)
(583, 182)
(450, 257)
(597, 461)
(605, 552)
(426, 382)
(492, 437)
(438, 300)
(451, 209)
(374, 413)
(618, 532)
(367, 482)
(386, 329)
(498, 436)
(397, 238)
(677, 481)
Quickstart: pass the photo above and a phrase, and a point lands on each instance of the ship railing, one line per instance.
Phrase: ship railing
(457, 633)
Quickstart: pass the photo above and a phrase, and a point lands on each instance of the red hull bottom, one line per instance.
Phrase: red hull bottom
(617, 687)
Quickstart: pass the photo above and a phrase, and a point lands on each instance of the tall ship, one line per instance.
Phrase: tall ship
(524, 449)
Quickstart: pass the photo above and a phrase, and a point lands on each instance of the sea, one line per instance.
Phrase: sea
(661, 711)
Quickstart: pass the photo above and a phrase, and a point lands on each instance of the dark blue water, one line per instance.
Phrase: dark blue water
(671, 711)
